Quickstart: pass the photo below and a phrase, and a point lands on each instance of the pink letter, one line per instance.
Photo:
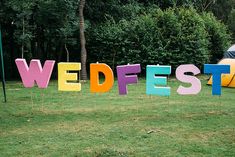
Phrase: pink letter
(196, 83)
(35, 73)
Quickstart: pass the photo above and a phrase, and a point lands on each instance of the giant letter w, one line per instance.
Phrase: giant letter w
(35, 72)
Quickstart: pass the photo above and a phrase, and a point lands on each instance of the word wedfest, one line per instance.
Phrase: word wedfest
(156, 80)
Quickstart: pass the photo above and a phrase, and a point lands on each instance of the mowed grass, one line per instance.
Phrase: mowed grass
(36, 122)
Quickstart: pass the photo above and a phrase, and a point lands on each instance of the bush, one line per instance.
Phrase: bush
(218, 36)
(231, 22)
(171, 37)
(183, 37)
(105, 42)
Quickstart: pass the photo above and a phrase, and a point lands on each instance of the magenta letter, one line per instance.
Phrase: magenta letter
(124, 79)
(35, 73)
(196, 83)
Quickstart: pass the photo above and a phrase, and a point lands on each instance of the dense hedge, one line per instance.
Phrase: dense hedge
(218, 37)
(173, 36)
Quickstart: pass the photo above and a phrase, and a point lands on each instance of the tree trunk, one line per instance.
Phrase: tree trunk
(82, 41)
(12, 50)
(67, 52)
(22, 46)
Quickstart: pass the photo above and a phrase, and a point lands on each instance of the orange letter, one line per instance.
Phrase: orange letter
(95, 86)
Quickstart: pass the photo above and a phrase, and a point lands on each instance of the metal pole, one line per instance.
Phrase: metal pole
(2, 65)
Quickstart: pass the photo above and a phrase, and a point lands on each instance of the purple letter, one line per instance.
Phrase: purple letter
(124, 79)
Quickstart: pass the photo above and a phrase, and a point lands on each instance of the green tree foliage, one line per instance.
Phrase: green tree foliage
(174, 36)
(231, 22)
(99, 11)
(222, 9)
(218, 36)
(39, 29)
(117, 31)
(43, 26)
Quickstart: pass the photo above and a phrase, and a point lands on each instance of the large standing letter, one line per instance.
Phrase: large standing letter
(153, 81)
(216, 70)
(181, 76)
(95, 86)
(64, 76)
(124, 79)
(35, 72)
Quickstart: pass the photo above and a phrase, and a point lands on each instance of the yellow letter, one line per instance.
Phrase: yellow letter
(64, 76)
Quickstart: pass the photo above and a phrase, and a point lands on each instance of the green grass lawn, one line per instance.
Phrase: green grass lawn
(36, 122)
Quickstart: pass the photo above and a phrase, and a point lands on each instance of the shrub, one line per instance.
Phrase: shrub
(170, 37)
(231, 22)
(183, 37)
(218, 37)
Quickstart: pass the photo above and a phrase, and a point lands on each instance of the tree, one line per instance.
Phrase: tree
(83, 40)
(231, 22)
(23, 35)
